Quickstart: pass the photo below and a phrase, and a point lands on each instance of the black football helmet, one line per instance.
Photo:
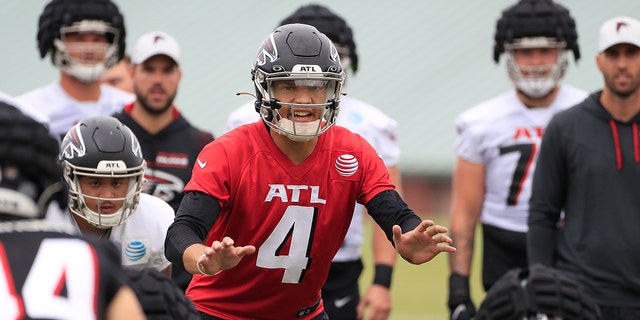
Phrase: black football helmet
(300, 53)
(102, 147)
(63, 17)
(536, 24)
(333, 26)
(30, 176)
(537, 292)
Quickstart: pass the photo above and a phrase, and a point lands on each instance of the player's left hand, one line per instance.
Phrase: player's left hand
(378, 301)
(422, 243)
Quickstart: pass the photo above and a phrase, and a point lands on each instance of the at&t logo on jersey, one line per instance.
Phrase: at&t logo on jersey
(134, 251)
(346, 165)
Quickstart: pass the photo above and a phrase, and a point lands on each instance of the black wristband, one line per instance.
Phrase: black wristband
(383, 275)
(458, 285)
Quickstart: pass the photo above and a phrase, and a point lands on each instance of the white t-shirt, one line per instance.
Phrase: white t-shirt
(373, 125)
(64, 111)
(140, 239)
(42, 118)
(504, 135)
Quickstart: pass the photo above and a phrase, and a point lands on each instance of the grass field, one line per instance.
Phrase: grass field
(420, 292)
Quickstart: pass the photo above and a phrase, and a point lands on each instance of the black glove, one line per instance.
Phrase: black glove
(460, 305)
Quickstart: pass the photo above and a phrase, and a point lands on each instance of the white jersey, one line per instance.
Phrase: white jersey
(42, 118)
(64, 111)
(504, 135)
(140, 239)
(374, 126)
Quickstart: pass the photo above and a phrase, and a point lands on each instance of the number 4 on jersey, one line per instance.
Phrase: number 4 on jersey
(68, 262)
(296, 226)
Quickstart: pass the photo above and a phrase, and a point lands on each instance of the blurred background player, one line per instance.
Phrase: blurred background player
(103, 168)
(48, 272)
(537, 293)
(589, 174)
(84, 38)
(170, 144)
(498, 140)
(8, 99)
(119, 76)
(341, 292)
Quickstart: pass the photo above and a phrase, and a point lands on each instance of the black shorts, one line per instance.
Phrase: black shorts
(503, 250)
(341, 293)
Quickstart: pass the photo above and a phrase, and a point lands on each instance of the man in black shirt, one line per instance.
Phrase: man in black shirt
(589, 168)
(170, 144)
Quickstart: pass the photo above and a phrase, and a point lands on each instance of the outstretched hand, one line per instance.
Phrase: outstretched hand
(422, 243)
(223, 255)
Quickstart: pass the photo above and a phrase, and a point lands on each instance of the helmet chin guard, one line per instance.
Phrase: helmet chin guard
(86, 70)
(536, 81)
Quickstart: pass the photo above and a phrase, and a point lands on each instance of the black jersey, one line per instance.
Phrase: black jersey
(46, 273)
(170, 154)
(589, 167)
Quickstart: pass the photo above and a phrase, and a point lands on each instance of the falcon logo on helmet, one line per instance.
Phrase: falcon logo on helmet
(74, 146)
(268, 52)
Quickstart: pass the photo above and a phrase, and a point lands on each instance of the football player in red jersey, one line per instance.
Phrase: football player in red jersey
(46, 271)
(272, 200)
(341, 292)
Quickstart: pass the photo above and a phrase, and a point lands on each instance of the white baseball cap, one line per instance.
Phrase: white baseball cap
(155, 43)
(619, 30)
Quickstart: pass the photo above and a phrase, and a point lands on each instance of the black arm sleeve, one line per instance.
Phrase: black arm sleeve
(547, 196)
(388, 209)
(195, 217)
(539, 240)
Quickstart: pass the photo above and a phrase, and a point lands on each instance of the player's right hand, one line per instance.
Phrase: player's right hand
(461, 306)
(224, 254)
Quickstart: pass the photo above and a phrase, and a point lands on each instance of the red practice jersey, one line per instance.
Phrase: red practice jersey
(295, 216)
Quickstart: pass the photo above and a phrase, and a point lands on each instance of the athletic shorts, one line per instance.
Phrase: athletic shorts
(503, 250)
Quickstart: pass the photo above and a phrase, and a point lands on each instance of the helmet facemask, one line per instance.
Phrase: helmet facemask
(285, 124)
(78, 199)
(86, 61)
(536, 81)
